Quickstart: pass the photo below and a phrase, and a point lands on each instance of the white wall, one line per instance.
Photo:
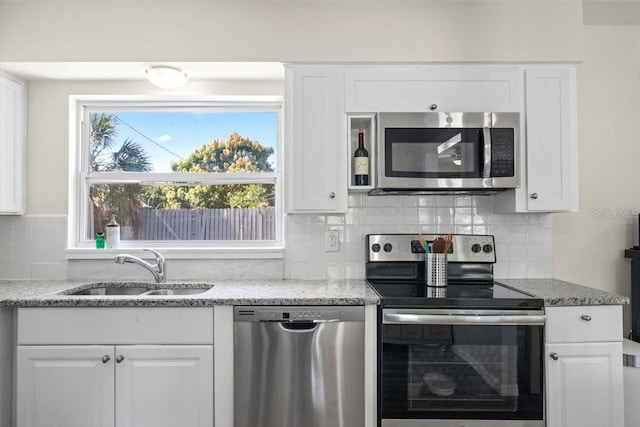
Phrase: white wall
(289, 31)
(588, 245)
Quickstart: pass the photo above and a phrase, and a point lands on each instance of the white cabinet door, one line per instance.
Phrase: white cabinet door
(12, 144)
(433, 88)
(315, 147)
(164, 386)
(549, 160)
(584, 385)
(552, 155)
(70, 386)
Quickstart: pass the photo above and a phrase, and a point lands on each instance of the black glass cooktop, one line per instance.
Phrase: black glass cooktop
(470, 295)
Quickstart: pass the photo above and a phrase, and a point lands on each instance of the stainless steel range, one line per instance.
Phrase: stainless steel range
(468, 354)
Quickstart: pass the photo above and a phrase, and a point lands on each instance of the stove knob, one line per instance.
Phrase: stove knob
(487, 248)
(375, 247)
(387, 247)
(475, 248)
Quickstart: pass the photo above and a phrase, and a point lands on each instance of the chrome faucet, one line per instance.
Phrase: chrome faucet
(156, 269)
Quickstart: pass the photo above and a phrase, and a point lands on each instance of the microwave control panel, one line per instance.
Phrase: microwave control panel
(502, 152)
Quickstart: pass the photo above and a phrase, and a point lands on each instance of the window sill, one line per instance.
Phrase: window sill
(181, 253)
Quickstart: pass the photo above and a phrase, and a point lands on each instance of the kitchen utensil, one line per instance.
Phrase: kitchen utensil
(437, 247)
(448, 241)
(423, 243)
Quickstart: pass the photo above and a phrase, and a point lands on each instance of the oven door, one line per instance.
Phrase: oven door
(461, 367)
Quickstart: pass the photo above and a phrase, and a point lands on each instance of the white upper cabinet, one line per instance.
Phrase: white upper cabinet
(315, 146)
(433, 88)
(12, 144)
(549, 175)
(552, 149)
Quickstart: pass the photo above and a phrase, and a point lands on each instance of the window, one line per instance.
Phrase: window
(182, 174)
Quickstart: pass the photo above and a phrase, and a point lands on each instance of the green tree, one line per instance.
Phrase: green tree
(121, 200)
(235, 154)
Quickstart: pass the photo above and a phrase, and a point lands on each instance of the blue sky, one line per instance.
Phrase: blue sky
(167, 136)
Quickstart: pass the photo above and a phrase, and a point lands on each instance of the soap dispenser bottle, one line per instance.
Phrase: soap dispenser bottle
(113, 234)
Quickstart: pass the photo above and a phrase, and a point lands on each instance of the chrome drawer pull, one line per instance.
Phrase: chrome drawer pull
(586, 317)
(106, 358)
(555, 356)
(120, 358)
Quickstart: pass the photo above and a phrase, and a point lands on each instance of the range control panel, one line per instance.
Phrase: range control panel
(478, 248)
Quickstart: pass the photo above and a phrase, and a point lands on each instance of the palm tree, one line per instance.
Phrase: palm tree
(121, 200)
(130, 157)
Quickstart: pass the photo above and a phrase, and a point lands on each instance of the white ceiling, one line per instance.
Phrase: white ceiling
(135, 70)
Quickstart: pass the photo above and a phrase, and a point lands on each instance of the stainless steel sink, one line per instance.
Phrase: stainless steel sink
(110, 291)
(139, 289)
(178, 291)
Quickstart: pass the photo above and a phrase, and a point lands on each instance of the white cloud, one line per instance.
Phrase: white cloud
(163, 138)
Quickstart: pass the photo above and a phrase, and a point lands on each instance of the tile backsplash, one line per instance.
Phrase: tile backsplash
(523, 241)
(32, 246)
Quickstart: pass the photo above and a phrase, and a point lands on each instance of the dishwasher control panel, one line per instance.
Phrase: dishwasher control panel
(297, 314)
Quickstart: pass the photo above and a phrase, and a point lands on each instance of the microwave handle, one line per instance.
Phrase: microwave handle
(486, 170)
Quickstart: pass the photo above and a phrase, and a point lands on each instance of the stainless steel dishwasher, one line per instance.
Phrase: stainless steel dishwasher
(298, 366)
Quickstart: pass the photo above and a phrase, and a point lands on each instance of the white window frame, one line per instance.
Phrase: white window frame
(80, 178)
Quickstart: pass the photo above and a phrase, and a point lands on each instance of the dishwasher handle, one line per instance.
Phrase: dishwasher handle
(298, 327)
(301, 321)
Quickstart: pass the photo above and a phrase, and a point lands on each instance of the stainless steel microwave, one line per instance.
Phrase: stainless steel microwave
(454, 152)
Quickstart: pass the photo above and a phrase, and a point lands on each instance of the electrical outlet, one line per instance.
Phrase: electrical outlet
(332, 241)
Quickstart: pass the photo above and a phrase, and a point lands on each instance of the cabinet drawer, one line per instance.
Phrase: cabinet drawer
(584, 324)
(115, 325)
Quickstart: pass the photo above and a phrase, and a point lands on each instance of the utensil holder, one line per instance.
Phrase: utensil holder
(436, 269)
(436, 292)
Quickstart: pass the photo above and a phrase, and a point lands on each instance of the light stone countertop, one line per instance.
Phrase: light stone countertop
(560, 293)
(271, 292)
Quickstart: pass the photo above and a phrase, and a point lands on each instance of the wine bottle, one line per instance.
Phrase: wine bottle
(361, 161)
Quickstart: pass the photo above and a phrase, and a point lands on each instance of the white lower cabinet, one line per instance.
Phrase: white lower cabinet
(106, 386)
(164, 386)
(78, 382)
(583, 364)
(65, 386)
(584, 385)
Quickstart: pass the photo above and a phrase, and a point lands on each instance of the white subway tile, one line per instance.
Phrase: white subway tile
(444, 216)
(517, 270)
(427, 216)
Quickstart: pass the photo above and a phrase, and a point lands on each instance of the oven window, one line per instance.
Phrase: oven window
(462, 371)
(434, 152)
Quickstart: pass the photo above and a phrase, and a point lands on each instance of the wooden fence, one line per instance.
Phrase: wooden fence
(207, 224)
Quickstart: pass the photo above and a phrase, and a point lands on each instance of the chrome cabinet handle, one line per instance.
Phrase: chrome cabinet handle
(433, 107)
(106, 358)
(332, 195)
(120, 358)
(586, 317)
(533, 196)
(555, 356)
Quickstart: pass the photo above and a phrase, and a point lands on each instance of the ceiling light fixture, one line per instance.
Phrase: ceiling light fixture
(166, 77)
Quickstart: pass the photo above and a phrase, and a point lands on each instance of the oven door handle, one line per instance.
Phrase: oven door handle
(445, 319)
